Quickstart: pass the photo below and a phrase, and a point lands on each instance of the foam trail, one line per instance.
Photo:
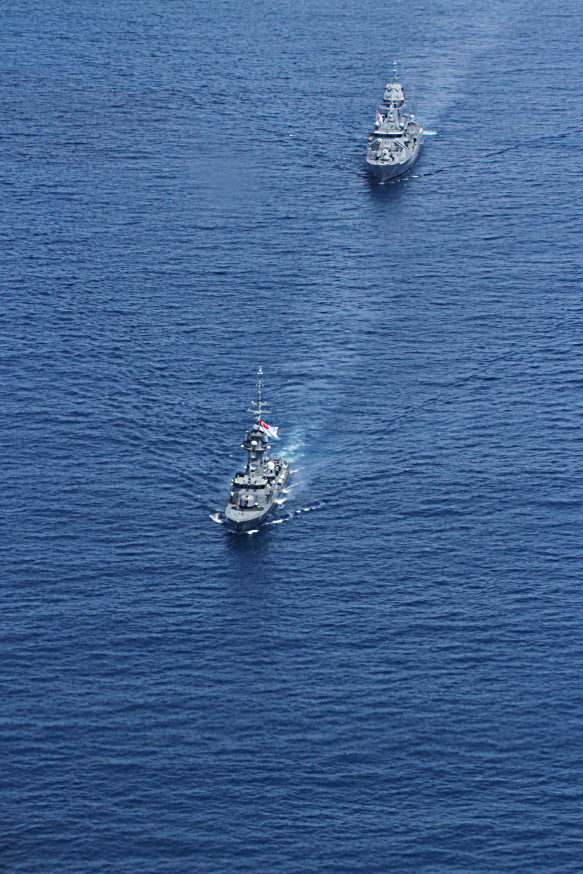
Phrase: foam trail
(216, 518)
(289, 488)
(448, 78)
(295, 443)
(309, 509)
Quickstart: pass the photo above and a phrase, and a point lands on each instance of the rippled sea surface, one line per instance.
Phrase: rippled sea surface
(390, 679)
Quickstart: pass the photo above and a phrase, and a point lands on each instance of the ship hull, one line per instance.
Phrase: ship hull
(241, 521)
(386, 170)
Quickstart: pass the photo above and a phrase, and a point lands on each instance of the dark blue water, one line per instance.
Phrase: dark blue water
(390, 680)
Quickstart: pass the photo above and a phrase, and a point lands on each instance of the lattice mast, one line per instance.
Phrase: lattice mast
(258, 408)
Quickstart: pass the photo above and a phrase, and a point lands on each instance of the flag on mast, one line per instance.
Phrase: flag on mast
(270, 430)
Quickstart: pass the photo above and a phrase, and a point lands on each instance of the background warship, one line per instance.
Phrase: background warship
(254, 493)
(393, 145)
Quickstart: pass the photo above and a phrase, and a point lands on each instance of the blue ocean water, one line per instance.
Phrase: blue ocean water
(390, 679)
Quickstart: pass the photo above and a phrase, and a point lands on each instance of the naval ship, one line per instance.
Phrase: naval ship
(255, 490)
(393, 145)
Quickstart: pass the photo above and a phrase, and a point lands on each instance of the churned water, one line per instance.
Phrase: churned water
(389, 679)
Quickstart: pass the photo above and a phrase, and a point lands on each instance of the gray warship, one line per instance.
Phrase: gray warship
(394, 144)
(255, 490)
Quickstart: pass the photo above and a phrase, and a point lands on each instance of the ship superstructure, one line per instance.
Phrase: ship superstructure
(393, 145)
(254, 491)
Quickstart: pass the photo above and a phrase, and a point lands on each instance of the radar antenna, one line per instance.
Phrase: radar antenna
(258, 407)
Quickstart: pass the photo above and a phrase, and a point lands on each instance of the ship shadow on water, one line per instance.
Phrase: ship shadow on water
(390, 190)
(247, 556)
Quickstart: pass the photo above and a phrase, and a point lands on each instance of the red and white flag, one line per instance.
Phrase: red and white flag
(270, 430)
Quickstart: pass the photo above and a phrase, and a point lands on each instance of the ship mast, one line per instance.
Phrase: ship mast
(257, 407)
(255, 443)
(393, 100)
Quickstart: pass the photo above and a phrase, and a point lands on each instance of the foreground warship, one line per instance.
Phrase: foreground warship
(254, 492)
(393, 145)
